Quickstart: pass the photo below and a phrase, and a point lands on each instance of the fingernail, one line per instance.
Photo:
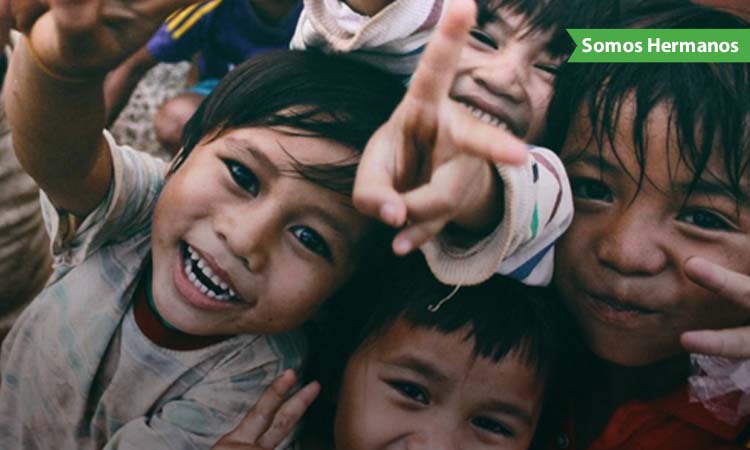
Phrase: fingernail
(388, 213)
(402, 246)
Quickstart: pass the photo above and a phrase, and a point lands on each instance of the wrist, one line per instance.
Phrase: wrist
(484, 210)
(50, 72)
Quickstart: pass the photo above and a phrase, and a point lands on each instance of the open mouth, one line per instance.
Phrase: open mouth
(490, 118)
(198, 271)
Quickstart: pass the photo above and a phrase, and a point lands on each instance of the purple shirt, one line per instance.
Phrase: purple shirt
(225, 32)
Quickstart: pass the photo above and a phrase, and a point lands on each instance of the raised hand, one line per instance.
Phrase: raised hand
(273, 418)
(429, 165)
(729, 286)
(85, 38)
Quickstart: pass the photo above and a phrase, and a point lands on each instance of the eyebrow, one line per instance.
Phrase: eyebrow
(255, 151)
(714, 189)
(420, 367)
(511, 409)
(594, 160)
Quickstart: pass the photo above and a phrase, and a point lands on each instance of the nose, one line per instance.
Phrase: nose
(630, 243)
(249, 231)
(503, 73)
(436, 438)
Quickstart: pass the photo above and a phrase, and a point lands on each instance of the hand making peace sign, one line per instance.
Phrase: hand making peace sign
(430, 164)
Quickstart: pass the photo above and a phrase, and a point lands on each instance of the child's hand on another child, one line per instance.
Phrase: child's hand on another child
(85, 38)
(730, 286)
(273, 418)
(428, 165)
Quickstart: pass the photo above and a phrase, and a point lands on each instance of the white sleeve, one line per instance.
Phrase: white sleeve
(392, 40)
(537, 209)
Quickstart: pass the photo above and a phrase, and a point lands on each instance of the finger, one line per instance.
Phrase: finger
(433, 77)
(414, 236)
(733, 343)
(289, 415)
(76, 17)
(375, 183)
(257, 421)
(726, 283)
(470, 135)
(441, 197)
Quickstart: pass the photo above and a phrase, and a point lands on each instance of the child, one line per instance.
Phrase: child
(223, 33)
(174, 304)
(421, 366)
(501, 73)
(657, 156)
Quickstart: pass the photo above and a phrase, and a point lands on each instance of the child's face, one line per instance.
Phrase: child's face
(619, 267)
(508, 74)
(414, 388)
(237, 216)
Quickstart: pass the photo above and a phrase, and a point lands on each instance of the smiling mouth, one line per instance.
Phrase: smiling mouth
(490, 118)
(622, 307)
(199, 273)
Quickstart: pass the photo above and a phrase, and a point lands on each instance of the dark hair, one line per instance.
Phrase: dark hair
(547, 15)
(314, 94)
(708, 103)
(499, 317)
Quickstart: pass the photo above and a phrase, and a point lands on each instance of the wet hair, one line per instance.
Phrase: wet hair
(307, 93)
(708, 103)
(499, 318)
(548, 15)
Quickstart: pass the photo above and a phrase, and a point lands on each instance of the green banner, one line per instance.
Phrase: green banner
(660, 45)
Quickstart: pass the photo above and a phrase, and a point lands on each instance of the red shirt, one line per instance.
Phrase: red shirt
(671, 422)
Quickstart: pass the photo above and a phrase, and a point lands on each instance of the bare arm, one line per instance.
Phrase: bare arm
(53, 93)
(57, 133)
(121, 82)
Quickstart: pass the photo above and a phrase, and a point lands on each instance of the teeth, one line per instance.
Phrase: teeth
(206, 271)
(486, 117)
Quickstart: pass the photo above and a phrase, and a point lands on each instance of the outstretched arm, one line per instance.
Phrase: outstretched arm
(53, 93)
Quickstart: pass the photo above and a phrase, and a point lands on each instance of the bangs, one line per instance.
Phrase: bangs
(542, 16)
(708, 104)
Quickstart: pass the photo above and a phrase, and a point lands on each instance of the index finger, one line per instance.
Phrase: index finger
(260, 417)
(726, 283)
(433, 78)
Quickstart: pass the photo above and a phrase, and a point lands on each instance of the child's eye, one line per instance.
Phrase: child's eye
(243, 176)
(483, 38)
(312, 240)
(411, 391)
(493, 426)
(590, 189)
(706, 219)
(551, 69)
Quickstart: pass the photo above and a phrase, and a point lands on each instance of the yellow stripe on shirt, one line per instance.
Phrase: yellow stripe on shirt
(179, 15)
(202, 11)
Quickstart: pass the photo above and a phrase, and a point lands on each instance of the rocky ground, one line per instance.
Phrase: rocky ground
(133, 126)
